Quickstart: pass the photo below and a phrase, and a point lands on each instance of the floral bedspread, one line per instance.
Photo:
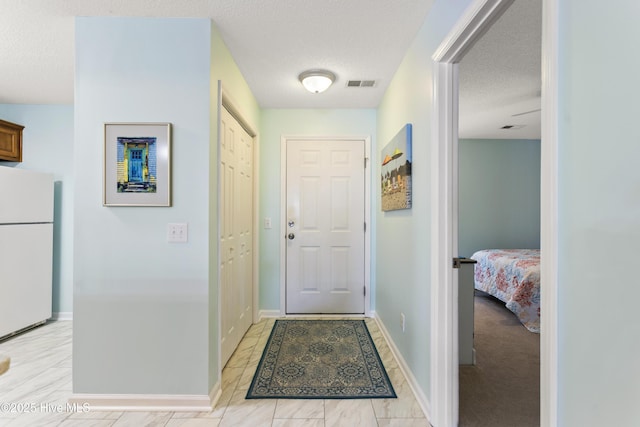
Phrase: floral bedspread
(513, 276)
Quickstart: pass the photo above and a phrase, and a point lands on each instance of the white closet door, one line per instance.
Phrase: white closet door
(236, 233)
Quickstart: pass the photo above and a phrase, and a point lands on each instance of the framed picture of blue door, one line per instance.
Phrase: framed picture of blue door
(137, 164)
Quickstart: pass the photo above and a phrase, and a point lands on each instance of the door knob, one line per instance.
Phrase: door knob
(291, 236)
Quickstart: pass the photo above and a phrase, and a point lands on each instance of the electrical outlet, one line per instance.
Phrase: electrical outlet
(177, 233)
(403, 321)
(267, 222)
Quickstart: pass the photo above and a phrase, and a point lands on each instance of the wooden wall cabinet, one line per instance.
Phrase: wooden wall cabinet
(10, 141)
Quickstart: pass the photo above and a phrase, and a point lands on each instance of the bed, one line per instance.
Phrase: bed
(512, 276)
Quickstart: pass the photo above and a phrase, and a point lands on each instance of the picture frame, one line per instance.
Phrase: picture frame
(137, 164)
(395, 171)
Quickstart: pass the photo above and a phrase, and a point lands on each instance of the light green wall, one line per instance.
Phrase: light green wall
(599, 213)
(48, 147)
(276, 123)
(404, 237)
(499, 195)
(141, 303)
(225, 71)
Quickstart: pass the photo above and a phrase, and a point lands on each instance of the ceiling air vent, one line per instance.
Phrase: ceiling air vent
(361, 83)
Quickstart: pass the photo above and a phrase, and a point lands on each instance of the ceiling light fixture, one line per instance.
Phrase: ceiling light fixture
(317, 81)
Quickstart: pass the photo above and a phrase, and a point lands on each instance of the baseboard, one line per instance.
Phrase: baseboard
(145, 402)
(62, 315)
(268, 314)
(215, 393)
(411, 379)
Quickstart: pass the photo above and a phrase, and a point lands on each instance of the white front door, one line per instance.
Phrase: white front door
(325, 229)
(236, 233)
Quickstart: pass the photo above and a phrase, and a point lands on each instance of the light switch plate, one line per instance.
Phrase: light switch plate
(177, 233)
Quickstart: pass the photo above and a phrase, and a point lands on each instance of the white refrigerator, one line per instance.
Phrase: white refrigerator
(26, 248)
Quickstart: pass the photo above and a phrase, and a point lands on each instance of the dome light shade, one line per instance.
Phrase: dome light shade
(316, 81)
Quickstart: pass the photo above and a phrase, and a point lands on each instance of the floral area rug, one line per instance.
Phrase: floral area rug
(320, 359)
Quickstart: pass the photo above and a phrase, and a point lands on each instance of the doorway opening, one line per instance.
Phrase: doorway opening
(498, 205)
(444, 338)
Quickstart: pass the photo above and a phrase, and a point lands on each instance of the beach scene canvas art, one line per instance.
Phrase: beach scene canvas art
(396, 171)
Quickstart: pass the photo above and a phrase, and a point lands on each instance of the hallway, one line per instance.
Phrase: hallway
(40, 374)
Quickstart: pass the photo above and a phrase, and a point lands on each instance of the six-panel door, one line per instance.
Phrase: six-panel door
(325, 226)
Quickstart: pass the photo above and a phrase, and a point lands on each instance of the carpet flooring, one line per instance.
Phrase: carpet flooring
(320, 359)
(503, 388)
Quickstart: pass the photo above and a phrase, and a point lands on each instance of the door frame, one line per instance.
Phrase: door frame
(478, 18)
(283, 213)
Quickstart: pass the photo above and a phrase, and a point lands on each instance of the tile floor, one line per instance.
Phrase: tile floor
(40, 378)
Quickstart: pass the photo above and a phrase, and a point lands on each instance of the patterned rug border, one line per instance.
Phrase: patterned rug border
(389, 394)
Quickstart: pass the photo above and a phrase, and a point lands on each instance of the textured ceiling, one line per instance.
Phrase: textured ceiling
(500, 77)
(272, 41)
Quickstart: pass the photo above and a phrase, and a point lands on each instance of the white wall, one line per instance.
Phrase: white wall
(499, 197)
(276, 123)
(599, 213)
(140, 303)
(48, 147)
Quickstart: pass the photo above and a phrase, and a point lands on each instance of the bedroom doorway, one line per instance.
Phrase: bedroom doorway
(478, 18)
(499, 221)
